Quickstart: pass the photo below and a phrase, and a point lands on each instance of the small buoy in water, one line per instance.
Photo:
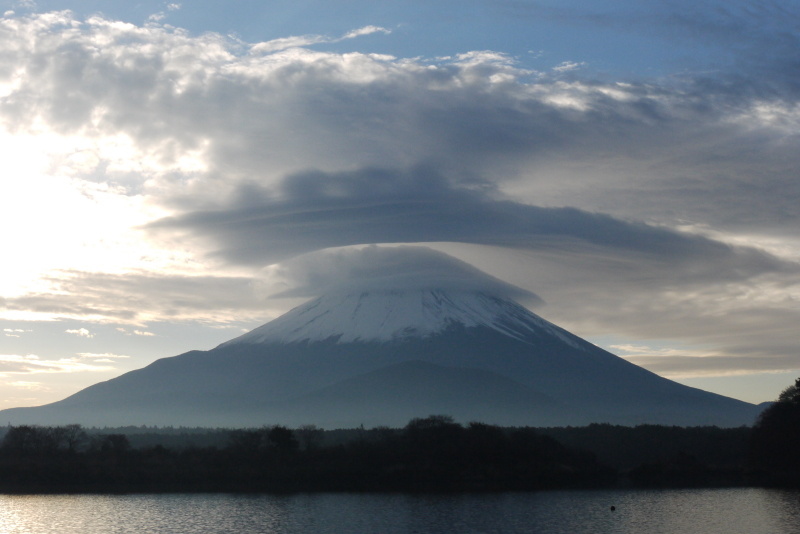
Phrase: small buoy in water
(613, 508)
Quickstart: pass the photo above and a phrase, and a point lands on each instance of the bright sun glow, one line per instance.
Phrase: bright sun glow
(54, 219)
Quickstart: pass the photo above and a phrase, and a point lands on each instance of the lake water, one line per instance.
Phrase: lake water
(723, 511)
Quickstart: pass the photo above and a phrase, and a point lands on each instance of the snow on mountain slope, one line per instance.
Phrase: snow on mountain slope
(394, 315)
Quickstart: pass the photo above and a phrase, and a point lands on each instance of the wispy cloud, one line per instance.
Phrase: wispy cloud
(366, 30)
(30, 386)
(143, 333)
(12, 364)
(695, 363)
(138, 298)
(82, 332)
(161, 15)
(107, 356)
(14, 332)
(287, 42)
(307, 40)
(568, 66)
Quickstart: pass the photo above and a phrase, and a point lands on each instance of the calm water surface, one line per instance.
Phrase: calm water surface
(727, 511)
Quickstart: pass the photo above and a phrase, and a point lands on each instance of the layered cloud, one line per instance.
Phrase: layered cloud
(11, 364)
(315, 210)
(677, 363)
(651, 208)
(138, 298)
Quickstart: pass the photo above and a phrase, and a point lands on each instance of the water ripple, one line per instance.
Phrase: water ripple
(723, 511)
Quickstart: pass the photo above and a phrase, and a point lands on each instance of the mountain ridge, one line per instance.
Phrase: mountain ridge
(312, 359)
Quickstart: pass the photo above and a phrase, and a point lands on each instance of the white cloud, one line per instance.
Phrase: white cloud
(567, 66)
(276, 45)
(173, 7)
(82, 332)
(14, 332)
(143, 333)
(366, 30)
(485, 58)
(106, 356)
(31, 386)
(283, 43)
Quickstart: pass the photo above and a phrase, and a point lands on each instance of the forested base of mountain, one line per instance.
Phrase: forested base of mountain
(432, 454)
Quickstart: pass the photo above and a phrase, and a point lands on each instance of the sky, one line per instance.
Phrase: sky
(630, 167)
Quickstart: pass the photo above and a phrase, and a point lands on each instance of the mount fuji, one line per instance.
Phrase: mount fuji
(381, 357)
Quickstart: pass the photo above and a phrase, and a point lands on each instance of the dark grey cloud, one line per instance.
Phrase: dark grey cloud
(375, 268)
(316, 210)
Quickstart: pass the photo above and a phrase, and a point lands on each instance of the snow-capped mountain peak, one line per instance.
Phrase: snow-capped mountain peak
(394, 315)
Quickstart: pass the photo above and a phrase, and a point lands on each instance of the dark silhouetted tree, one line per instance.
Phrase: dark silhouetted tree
(282, 439)
(69, 437)
(246, 442)
(310, 436)
(791, 394)
(25, 440)
(114, 444)
(776, 436)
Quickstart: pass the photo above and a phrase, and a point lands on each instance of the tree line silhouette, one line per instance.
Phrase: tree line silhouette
(429, 454)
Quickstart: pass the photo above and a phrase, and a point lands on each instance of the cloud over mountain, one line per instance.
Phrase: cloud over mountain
(374, 268)
(315, 210)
